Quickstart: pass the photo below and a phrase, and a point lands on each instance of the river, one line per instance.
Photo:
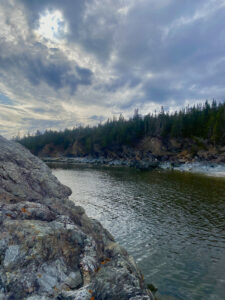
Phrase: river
(172, 223)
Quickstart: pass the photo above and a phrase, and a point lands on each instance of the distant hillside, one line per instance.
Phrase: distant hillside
(193, 129)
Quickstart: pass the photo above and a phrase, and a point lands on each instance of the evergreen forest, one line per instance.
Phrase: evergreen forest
(205, 121)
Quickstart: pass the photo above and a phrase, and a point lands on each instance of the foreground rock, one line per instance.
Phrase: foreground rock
(49, 248)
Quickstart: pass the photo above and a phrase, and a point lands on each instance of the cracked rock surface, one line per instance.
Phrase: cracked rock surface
(49, 248)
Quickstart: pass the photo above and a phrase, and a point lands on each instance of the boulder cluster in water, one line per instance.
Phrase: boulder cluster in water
(49, 248)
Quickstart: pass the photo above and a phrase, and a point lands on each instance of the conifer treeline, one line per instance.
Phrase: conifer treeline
(205, 121)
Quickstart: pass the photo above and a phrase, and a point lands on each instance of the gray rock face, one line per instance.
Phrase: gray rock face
(49, 248)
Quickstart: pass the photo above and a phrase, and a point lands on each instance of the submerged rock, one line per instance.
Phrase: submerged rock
(49, 248)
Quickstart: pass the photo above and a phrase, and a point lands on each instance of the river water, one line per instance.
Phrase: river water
(173, 223)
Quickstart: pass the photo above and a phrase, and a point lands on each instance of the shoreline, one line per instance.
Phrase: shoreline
(207, 168)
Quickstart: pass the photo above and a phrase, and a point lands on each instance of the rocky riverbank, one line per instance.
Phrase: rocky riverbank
(149, 149)
(201, 167)
(193, 155)
(139, 164)
(49, 248)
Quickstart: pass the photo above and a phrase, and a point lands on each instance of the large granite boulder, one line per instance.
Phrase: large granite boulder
(49, 248)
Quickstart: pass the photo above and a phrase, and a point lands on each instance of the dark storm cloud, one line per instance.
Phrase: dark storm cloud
(55, 75)
(84, 75)
(38, 64)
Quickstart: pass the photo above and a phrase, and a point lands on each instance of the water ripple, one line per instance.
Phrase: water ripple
(172, 223)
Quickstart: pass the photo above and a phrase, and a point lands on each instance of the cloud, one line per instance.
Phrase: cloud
(37, 63)
(98, 57)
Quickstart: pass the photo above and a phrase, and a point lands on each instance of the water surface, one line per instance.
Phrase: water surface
(173, 223)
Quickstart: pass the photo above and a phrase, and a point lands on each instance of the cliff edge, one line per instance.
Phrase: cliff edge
(49, 248)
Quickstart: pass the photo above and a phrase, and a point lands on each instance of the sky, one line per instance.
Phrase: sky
(65, 63)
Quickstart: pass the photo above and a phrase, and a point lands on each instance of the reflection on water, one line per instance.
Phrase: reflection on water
(172, 223)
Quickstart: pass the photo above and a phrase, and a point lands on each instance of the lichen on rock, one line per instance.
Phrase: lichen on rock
(49, 248)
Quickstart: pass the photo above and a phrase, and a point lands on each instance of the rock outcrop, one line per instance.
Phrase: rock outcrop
(49, 248)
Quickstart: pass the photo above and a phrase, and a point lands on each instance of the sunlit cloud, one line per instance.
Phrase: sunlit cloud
(52, 25)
